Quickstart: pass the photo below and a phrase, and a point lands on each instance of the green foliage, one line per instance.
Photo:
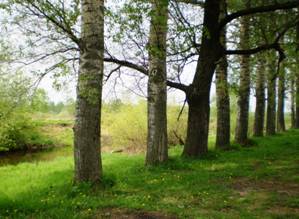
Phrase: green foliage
(17, 130)
(263, 185)
(125, 125)
(40, 101)
(12, 121)
(70, 106)
(131, 16)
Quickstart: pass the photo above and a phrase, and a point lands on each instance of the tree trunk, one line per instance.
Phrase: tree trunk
(198, 93)
(198, 126)
(297, 79)
(271, 98)
(87, 155)
(280, 106)
(259, 118)
(244, 88)
(297, 101)
(222, 95)
(157, 150)
(293, 111)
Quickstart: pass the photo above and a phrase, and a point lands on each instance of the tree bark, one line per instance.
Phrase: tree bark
(222, 94)
(297, 101)
(293, 111)
(198, 125)
(259, 117)
(244, 88)
(271, 97)
(198, 93)
(87, 154)
(157, 150)
(281, 99)
(297, 78)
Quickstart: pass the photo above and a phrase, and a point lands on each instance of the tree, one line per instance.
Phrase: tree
(209, 52)
(198, 92)
(40, 101)
(16, 128)
(293, 103)
(244, 87)
(297, 78)
(259, 115)
(271, 94)
(64, 44)
(281, 100)
(157, 148)
(88, 167)
(222, 92)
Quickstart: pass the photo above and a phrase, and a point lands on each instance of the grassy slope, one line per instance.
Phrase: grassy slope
(257, 182)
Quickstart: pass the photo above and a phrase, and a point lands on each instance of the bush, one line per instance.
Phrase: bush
(125, 125)
(16, 128)
(17, 132)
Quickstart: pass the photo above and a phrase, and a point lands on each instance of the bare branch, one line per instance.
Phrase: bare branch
(144, 71)
(275, 45)
(260, 9)
(127, 64)
(61, 24)
(178, 86)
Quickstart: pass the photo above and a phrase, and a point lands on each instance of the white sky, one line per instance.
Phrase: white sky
(69, 91)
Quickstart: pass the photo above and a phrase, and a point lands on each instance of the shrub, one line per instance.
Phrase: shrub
(16, 132)
(16, 128)
(125, 125)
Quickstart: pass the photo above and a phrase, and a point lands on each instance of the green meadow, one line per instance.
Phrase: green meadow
(258, 181)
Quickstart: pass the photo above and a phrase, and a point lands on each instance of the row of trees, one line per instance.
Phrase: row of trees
(179, 32)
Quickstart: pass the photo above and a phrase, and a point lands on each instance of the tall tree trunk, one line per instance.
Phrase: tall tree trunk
(87, 155)
(198, 125)
(157, 150)
(271, 97)
(293, 111)
(259, 118)
(297, 100)
(222, 95)
(297, 78)
(198, 93)
(244, 88)
(281, 96)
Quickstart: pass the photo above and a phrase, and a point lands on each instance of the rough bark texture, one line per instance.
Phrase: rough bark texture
(244, 87)
(157, 150)
(293, 111)
(259, 117)
(211, 51)
(198, 93)
(87, 155)
(222, 94)
(271, 97)
(281, 98)
(297, 80)
(297, 101)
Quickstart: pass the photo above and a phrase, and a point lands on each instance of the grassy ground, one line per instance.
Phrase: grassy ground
(255, 182)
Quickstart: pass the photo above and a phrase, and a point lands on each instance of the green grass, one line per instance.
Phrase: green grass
(255, 182)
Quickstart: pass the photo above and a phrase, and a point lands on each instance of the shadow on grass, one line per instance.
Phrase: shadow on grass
(191, 183)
